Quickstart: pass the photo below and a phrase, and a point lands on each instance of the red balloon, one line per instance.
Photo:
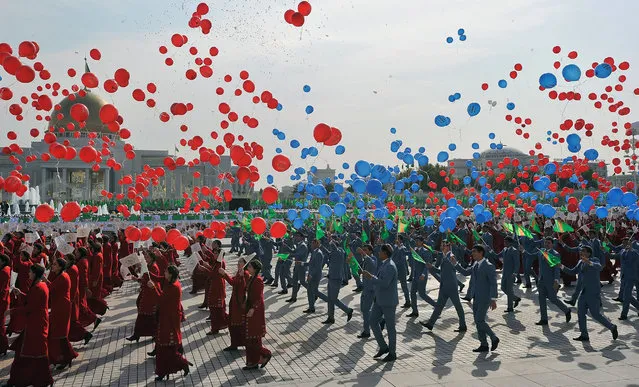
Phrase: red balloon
(281, 163)
(132, 233)
(108, 113)
(44, 213)
(258, 225)
(322, 132)
(25, 74)
(95, 54)
(138, 95)
(79, 112)
(304, 8)
(122, 77)
(89, 80)
(336, 137)
(88, 154)
(288, 17)
(181, 243)
(278, 229)
(158, 234)
(269, 195)
(70, 211)
(297, 19)
(26, 49)
(172, 235)
(228, 195)
(12, 184)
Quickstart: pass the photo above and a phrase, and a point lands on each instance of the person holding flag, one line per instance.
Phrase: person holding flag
(548, 283)
(400, 253)
(314, 275)
(385, 303)
(299, 256)
(510, 258)
(447, 289)
(336, 259)
(589, 268)
(369, 264)
(420, 258)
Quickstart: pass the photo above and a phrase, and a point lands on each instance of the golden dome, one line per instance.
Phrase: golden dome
(92, 101)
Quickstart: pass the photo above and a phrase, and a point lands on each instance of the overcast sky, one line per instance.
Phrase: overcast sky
(372, 65)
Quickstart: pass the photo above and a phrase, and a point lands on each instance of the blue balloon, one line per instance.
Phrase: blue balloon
(613, 197)
(449, 40)
(550, 168)
(548, 211)
(475, 145)
(502, 83)
(313, 151)
(291, 214)
(491, 136)
(395, 146)
(278, 150)
(591, 154)
(309, 109)
(462, 38)
(295, 144)
(571, 72)
(601, 212)
(359, 186)
(473, 109)
(389, 224)
(340, 209)
(339, 150)
(363, 168)
(451, 98)
(628, 199)
(510, 106)
(573, 138)
(298, 223)
(307, 88)
(305, 214)
(429, 222)
(442, 121)
(279, 107)
(393, 130)
(442, 156)
(603, 70)
(480, 218)
(374, 187)
(478, 209)
(467, 180)
(269, 179)
(281, 136)
(325, 210)
(574, 148)
(457, 95)
(548, 80)
(461, 31)
(448, 223)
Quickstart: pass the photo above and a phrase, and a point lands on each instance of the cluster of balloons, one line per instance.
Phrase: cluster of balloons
(297, 18)
(461, 33)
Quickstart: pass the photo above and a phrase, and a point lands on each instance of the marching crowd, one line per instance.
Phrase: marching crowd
(55, 295)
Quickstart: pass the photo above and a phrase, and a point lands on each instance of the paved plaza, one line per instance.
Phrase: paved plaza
(308, 353)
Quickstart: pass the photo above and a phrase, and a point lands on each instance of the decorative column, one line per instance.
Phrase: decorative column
(65, 184)
(87, 184)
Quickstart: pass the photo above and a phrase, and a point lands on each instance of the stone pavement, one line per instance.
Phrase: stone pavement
(307, 353)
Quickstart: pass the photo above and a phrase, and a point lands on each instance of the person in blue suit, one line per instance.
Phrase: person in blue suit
(369, 264)
(629, 274)
(400, 253)
(314, 275)
(548, 284)
(590, 300)
(336, 258)
(484, 295)
(420, 276)
(510, 258)
(299, 257)
(385, 303)
(580, 285)
(447, 289)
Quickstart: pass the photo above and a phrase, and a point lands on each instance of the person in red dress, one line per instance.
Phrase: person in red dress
(5, 283)
(107, 284)
(94, 293)
(76, 330)
(86, 315)
(147, 303)
(237, 313)
(61, 352)
(116, 276)
(216, 295)
(169, 352)
(31, 362)
(22, 266)
(256, 354)
(199, 278)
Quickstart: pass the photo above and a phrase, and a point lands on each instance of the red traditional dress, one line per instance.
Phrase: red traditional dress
(147, 302)
(200, 278)
(116, 276)
(23, 283)
(169, 358)
(87, 317)
(107, 285)
(216, 296)
(5, 282)
(95, 301)
(76, 330)
(237, 313)
(60, 349)
(255, 324)
(31, 362)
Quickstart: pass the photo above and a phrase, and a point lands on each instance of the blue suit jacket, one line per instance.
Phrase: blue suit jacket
(370, 265)
(399, 257)
(385, 284)
(589, 275)
(315, 265)
(484, 279)
(548, 274)
(447, 274)
(510, 257)
(300, 253)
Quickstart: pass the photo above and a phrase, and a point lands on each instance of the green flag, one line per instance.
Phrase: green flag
(521, 231)
(319, 233)
(384, 234)
(354, 265)
(365, 237)
(477, 236)
(416, 256)
(509, 228)
(283, 256)
(610, 228)
(552, 260)
(535, 226)
(562, 227)
(337, 226)
(401, 227)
